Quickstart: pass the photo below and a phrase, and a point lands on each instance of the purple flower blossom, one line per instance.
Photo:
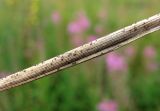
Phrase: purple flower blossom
(99, 29)
(150, 52)
(74, 28)
(130, 51)
(83, 21)
(56, 17)
(107, 106)
(150, 56)
(152, 66)
(79, 25)
(116, 62)
(91, 38)
(76, 40)
(102, 14)
(4, 74)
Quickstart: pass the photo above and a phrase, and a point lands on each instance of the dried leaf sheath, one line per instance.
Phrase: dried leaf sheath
(83, 53)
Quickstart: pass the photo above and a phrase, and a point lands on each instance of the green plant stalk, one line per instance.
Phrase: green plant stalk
(83, 53)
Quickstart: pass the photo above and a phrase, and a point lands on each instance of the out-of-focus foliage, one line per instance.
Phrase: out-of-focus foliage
(35, 30)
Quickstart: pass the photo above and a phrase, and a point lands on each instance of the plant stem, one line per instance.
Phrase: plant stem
(83, 53)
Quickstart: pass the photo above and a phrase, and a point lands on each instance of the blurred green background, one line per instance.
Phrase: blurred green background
(35, 30)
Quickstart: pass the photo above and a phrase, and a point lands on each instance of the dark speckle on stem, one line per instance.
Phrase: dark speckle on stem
(74, 54)
(91, 43)
(74, 63)
(135, 28)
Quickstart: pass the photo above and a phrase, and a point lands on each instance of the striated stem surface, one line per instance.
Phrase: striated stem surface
(83, 53)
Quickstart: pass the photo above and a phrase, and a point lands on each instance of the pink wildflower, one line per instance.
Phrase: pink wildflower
(74, 28)
(79, 25)
(150, 52)
(115, 62)
(99, 29)
(83, 21)
(130, 51)
(150, 58)
(152, 66)
(56, 17)
(77, 40)
(91, 38)
(107, 106)
(102, 14)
